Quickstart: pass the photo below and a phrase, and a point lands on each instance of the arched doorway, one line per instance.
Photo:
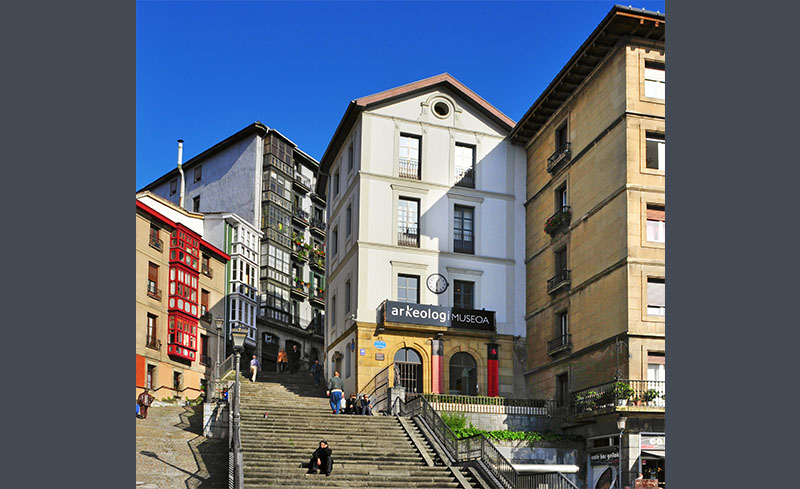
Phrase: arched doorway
(463, 375)
(409, 368)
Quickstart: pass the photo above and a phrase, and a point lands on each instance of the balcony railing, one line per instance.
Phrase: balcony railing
(304, 183)
(465, 177)
(559, 281)
(317, 261)
(205, 360)
(207, 271)
(559, 343)
(317, 297)
(624, 394)
(561, 156)
(156, 243)
(153, 291)
(464, 246)
(317, 225)
(206, 316)
(153, 343)
(558, 221)
(301, 216)
(409, 237)
(409, 168)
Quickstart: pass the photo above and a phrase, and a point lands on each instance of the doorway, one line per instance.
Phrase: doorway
(409, 366)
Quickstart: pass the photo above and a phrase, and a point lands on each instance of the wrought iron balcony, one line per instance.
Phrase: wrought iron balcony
(561, 156)
(153, 344)
(206, 316)
(317, 225)
(302, 183)
(299, 288)
(562, 280)
(409, 169)
(316, 297)
(465, 178)
(317, 261)
(153, 291)
(558, 221)
(409, 237)
(156, 243)
(302, 217)
(464, 246)
(205, 360)
(619, 395)
(559, 343)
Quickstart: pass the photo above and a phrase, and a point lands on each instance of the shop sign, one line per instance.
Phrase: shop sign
(453, 317)
(380, 345)
(653, 442)
(645, 483)
(379, 357)
(362, 351)
(604, 457)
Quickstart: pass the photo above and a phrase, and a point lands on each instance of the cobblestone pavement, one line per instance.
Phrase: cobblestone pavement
(171, 453)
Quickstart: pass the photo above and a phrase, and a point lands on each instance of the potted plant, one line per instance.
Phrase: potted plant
(554, 222)
(650, 395)
(622, 392)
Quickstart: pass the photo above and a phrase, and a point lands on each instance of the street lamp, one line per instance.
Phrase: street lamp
(621, 421)
(220, 321)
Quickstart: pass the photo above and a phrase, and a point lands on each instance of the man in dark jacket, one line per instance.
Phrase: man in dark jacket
(321, 460)
(294, 360)
(144, 400)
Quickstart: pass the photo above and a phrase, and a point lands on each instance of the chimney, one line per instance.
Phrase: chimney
(180, 170)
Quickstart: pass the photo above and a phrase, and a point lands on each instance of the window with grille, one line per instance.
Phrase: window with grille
(152, 279)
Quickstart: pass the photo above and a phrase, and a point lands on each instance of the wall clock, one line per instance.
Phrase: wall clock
(437, 283)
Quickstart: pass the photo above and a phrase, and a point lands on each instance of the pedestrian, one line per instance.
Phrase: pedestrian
(282, 360)
(255, 366)
(352, 402)
(321, 460)
(294, 360)
(316, 371)
(144, 400)
(366, 406)
(335, 392)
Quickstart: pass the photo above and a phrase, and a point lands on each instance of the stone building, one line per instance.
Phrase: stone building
(424, 272)
(594, 243)
(264, 178)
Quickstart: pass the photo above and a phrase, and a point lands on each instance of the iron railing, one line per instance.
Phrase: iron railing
(153, 344)
(491, 405)
(302, 180)
(464, 246)
(617, 393)
(465, 177)
(558, 221)
(560, 156)
(479, 449)
(560, 342)
(409, 237)
(562, 279)
(207, 271)
(409, 168)
(302, 216)
(317, 224)
(378, 388)
(153, 291)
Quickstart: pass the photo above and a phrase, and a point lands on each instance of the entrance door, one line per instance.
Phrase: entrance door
(463, 375)
(409, 366)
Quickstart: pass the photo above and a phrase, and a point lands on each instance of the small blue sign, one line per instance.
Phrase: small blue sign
(362, 351)
(380, 345)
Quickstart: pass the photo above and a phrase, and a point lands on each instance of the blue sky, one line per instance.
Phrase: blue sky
(205, 70)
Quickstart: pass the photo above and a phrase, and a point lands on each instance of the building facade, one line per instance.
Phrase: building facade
(174, 343)
(595, 252)
(264, 178)
(424, 201)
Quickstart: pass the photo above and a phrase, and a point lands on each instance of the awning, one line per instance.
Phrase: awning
(546, 468)
(655, 453)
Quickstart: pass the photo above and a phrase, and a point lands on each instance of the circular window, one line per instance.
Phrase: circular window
(441, 109)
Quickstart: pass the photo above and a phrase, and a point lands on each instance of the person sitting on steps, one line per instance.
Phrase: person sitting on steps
(352, 402)
(365, 407)
(321, 460)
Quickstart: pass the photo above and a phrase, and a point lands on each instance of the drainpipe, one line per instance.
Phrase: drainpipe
(180, 170)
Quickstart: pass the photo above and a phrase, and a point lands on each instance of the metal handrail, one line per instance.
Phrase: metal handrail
(378, 388)
(480, 449)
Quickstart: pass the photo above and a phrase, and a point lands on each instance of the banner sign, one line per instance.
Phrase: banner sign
(429, 315)
(604, 457)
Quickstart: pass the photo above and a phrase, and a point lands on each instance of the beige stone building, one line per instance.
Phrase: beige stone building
(594, 243)
(176, 337)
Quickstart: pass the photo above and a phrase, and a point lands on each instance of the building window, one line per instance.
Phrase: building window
(463, 375)
(463, 294)
(335, 242)
(561, 197)
(173, 187)
(408, 288)
(149, 380)
(656, 304)
(561, 261)
(409, 161)
(151, 330)
(463, 229)
(155, 241)
(654, 79)
(655, 150)
(198, 173)
(196, 204)
(656, 375)
(656, 223)
(561, 137)
(562, 390)
(152, 281)
(465, 165)
(203, 302)
(205, 264)
(336, 183)
(562, 326)
(333, 312)
(204, 358)
(350, 158)
(349, 220)
(177, 379)
(347, 360)
(408, 222)
(347, 296)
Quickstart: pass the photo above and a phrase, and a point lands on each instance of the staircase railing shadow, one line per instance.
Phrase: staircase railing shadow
(478, 451)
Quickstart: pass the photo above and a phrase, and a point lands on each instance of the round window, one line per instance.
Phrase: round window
(441, 109)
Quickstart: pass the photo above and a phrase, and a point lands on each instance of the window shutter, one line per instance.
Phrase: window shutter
(153, 273)
(655, 293)
(656, 213)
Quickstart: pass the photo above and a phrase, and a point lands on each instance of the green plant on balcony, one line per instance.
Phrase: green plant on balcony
(586, 401)
(606, 398)
(650, 395)
(556, 220)
(298, 239)
(623, 392)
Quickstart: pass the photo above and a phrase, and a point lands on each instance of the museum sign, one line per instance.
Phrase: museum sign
(429, 315)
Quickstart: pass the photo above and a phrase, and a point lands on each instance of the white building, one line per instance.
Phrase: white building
(425, 199)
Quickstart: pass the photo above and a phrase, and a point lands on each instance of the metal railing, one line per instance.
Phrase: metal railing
(409, 168)
(153, 291)
(560, 342)
(561, 155)
(616, 393)
(479, 449)
(304, 181)
(491, 405)
(236, 459)
(378, 388)
(465, 178)
(558, 220)
(464, 246)
(302, 215)
(558, 281)
(409, 237)
(317, 224)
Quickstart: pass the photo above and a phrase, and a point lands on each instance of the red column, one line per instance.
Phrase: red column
(437, 367)
(493, 381)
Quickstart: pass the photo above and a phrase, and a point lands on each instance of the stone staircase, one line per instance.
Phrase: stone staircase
(368, 451)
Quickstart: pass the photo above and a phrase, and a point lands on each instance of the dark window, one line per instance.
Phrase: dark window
(561, 260)
(350, 157)
(336, 183)
(152, 278)
(151, 329)
(463, 229)
(173, 187)
(203, 301)
(463, 375)
(151, 375)
(198, 173)
(408, 222)
(561, 137)
(176, 381)
(561, 196)
(562, 324)
(349, 220)
(333, 312)
(655, 150)
(347, 296)
(196, 204)
(204, 347)
(408, 288)
(562, 389)
(335, 242)
(463, 294)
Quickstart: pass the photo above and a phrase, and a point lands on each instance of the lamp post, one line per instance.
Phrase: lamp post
(219, 322)
(621, 421)
(239, 333)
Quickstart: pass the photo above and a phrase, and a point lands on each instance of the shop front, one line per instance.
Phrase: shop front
(603, 454)
(652, 460)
